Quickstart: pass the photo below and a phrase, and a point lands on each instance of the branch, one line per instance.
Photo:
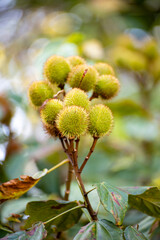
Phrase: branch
(68, 181)
(72, 155)
(89, 154)
(58, 93)
(94, 95)
(85, 197)
(77, 145)
(70, 170)
(81, 185)
(63, 146)
(73, 152)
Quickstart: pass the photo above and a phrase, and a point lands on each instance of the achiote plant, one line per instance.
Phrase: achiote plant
(68, 113)
(72, 115)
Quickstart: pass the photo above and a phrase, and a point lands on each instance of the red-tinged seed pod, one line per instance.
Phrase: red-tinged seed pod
(83, 77)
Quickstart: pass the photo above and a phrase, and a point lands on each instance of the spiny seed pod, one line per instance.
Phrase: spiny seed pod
(83, 76)
(56, 70)
(49, 111)
(100, 121)
(72, 121)
(77, 97)
(38, 92)
(104, 69)
(75, 60)
(107, 86)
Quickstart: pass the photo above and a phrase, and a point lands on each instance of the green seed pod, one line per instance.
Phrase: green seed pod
(100, 121)
(129, 59)
(104, 69)
(83, 76)
(75, 60)
(126, 41)
(56, 70)
(77, 97)
(38, 92)
(150, 48)
(72, 121)
(49, 111)
(107, 86)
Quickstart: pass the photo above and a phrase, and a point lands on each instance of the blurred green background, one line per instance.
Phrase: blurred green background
(126, 34)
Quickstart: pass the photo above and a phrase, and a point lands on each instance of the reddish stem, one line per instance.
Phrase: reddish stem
(89, 154)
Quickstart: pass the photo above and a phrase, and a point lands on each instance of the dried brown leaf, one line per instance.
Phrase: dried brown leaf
(16, 187)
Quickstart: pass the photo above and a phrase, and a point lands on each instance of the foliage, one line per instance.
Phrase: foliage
(121, 34)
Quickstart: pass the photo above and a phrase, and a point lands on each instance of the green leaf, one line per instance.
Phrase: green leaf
(145, 225)
(99, 230)
(114, 200)
(46, 210)
(135, 190)
(17, 206)
(131, 233)
(37, 232)
(128, 107)
(147, 202)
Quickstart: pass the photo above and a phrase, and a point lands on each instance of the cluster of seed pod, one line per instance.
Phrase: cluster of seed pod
(73, 115)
